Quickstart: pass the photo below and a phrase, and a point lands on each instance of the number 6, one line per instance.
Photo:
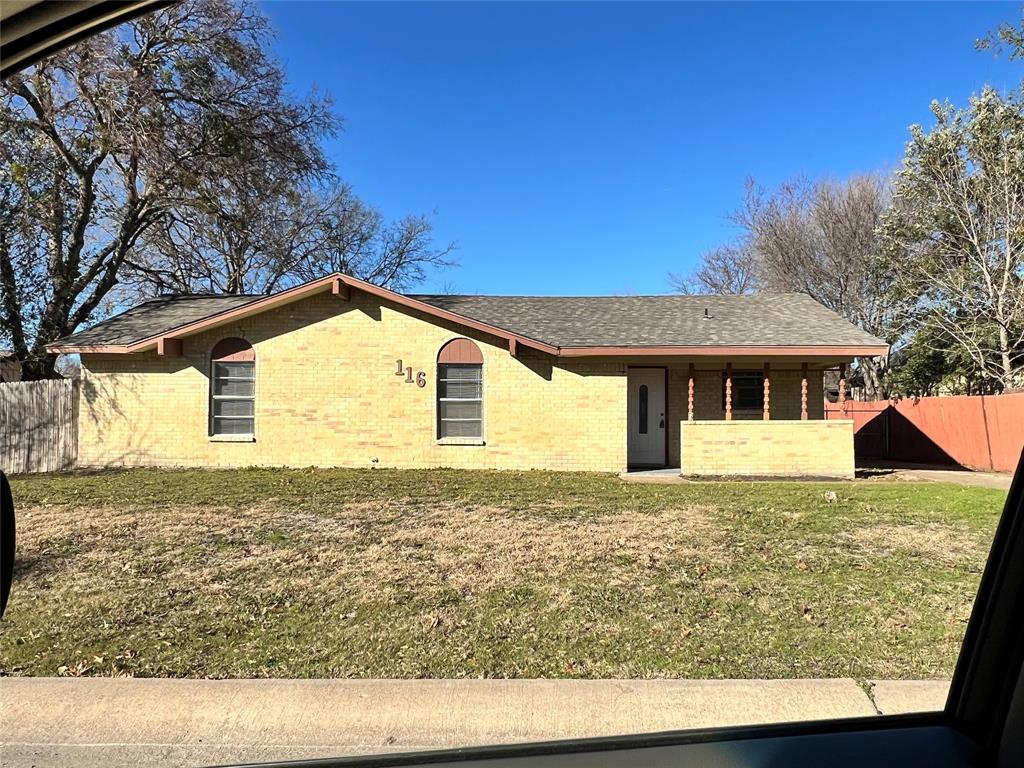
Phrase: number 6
(421, 379)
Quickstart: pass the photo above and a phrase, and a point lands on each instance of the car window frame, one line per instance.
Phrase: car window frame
(987, 679)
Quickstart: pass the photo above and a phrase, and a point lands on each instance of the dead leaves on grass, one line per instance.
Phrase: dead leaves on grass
(480, 548)
(270, 583)
(357, 550)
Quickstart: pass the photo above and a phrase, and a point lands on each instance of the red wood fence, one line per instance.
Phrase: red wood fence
(981, 432)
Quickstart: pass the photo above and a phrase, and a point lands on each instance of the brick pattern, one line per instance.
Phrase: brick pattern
(327, 395)
(768, 448)
(707, 398)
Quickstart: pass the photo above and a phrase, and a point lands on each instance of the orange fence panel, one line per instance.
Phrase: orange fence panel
(1005, 420)
(982, 432)
(943, 430)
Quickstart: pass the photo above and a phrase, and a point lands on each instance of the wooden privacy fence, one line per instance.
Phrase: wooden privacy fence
(977, 431)
(38, 425)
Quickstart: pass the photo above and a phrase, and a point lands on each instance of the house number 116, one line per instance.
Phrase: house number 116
(419, 381)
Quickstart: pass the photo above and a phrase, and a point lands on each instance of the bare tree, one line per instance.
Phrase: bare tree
(815, 238)
(727, 269)
(259, 239)
(954, 235)
(822, 239)
(244, 240)
(119, 130)
(354, 238)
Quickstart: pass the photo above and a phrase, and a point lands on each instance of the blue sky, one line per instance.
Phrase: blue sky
(592, 148)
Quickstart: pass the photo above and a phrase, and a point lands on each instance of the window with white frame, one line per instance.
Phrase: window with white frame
(460, 390)
(233, 389)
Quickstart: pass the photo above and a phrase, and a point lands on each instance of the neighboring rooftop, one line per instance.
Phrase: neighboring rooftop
(769, 320)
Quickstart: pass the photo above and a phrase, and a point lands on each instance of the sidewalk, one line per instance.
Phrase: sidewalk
(92, 722)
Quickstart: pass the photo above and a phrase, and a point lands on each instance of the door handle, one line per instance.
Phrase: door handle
(661, 424)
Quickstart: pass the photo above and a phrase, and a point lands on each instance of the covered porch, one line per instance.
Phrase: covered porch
(737, 416)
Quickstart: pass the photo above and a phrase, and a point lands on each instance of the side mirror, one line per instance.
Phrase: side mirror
(6, 541)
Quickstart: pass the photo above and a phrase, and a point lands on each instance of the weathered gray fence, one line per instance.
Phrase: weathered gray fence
(38, 425)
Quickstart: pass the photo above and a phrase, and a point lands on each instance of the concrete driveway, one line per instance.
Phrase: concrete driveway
(94, 722)
(868, 472)
(998, 480)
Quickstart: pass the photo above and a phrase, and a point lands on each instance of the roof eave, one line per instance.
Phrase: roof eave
(76, 349)
(823, 350)
(339, 285)
(168, 342)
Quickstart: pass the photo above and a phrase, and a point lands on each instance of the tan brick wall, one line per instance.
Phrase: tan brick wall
(784, 399)
(768, 448)
(327, 395)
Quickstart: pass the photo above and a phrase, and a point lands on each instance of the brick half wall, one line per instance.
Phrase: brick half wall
(775, 448)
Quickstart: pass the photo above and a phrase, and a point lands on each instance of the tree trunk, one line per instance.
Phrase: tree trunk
(1004, 357)
(869, 368)
(39, 367)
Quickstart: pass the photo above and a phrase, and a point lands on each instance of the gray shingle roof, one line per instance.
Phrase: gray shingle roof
(785, 319)
(153, 317)
(565, 321)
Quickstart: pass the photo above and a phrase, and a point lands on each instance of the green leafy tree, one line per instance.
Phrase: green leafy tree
(933, 364)
(955, 233)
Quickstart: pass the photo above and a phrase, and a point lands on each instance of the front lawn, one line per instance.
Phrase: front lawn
(383, 573)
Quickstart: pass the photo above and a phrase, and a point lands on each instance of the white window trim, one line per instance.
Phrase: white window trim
(243, 438)
(460, 440)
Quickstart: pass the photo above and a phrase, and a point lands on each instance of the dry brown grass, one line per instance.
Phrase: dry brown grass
(364, 546)
(946, 543)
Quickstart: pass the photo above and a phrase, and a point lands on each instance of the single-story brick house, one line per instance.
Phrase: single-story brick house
(339, 372)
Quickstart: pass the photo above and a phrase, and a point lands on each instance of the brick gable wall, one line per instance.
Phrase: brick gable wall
(327, 395)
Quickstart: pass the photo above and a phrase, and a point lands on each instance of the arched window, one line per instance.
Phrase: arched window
(460, 390)
(233, 388)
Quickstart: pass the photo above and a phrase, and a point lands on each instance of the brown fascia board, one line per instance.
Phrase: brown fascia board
(97, 349)
(339, 285)
(717, 351)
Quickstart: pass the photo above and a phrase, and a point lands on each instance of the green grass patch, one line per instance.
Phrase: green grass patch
(444, 573)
